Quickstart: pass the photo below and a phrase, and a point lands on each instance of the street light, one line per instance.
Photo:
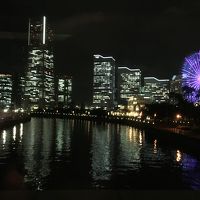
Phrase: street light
(178, 116)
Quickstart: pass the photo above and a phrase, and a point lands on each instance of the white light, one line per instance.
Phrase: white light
(22, 110)
(21, 130)
(140, 139)
(4, 137)
(178, 156)
(14, 132)
(97, 56)
(44, 29)
(129, 69)
(5, 110)
(156, 79)
(155, 146)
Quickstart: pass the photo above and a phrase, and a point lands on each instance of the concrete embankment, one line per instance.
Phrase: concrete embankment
(11, 119)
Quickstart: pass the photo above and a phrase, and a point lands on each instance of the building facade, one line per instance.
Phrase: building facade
(156, 90)
(64, 91)
(39, 74)
(104, 82)
(5, 91)
(176, 84)
(129, 83)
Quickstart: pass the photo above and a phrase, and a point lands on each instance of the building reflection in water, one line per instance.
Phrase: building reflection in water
(37, 149)
(100, 151)
(155, 146)
(63, 137)
(130, 134)
(14, 133)
(52, 148)
(140, 139)
(59, 136)
(21, 131)
(129, 148)
(4, 135)
(115, 147)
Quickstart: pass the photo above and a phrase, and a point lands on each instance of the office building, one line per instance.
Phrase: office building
(104, 82)
(64, 91)
(39, 74)
(18, 91)
(156, 90)
(176, 84)
(5, 91)
(129, 83)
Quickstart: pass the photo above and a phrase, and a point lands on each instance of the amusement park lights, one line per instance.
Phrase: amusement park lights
(191, 75)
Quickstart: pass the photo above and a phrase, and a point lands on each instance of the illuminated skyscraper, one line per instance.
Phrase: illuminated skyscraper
(39, 75)
(5, 91)
(157, 90)
(64, 91)
(129, 83)
(104, 83)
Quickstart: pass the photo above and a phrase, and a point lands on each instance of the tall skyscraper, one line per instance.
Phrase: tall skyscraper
(129, 83)
(39, 74)
(64, 91)
(5, 91)
(104, 82)
(156, 89)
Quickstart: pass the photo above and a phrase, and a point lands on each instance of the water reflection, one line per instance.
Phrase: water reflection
(63, 137)
(4, 135)
(178, 156)
(37, 150)
(100, 152)
(155, 146)
(140, 139)
(129, 149)
(69, 152)
(21, 131)
(14, 133)
(130, 134)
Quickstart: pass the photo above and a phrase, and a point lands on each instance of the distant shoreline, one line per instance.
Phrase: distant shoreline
(170, 133)
(10, 119)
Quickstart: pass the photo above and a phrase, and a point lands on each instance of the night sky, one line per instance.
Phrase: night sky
(152, 35)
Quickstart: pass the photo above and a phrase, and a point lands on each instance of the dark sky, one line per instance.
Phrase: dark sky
(152, 35)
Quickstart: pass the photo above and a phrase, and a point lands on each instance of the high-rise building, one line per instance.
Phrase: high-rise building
(64, 91)
(18, 90)
(129, 83)
(5, 91)
(104, 82)
(157, 90)
(39, 74)
(176, 84)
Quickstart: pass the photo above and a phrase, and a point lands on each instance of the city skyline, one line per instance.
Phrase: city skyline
(99, 97)
(150, 35)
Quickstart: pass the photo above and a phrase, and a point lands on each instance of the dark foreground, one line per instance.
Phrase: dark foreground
(60, 154)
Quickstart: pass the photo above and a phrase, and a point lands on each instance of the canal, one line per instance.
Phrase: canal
(55, 154)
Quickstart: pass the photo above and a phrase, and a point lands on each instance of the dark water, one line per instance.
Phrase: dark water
(69, 154)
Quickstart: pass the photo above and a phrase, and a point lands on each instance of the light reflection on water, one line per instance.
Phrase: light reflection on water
(58, 153)
(4, 135)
